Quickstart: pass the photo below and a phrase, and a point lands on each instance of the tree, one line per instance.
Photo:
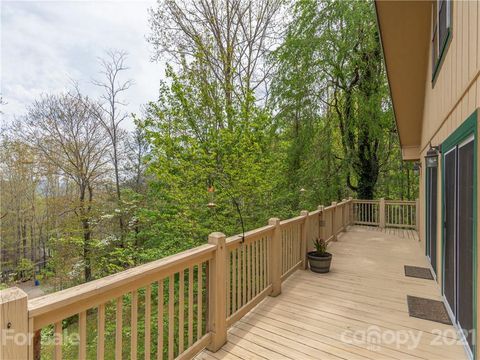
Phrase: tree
(65, 131)
(229, 37)
(109, 112)
(334, 48)
(19, 176)
(137, 149)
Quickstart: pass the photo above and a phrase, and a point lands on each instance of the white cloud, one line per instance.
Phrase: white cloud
(47, 44)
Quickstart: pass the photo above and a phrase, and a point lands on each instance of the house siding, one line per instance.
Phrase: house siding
(449, 101)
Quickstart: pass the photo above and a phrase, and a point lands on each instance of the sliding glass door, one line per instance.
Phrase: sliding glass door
(459, 227)
(449, 247)
(465, 236)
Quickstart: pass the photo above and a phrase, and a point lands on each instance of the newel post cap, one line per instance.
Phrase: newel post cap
(274, 221)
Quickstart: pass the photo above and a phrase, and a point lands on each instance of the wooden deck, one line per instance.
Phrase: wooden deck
(357, 311)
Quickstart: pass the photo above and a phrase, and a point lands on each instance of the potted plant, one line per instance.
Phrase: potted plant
(319, 259)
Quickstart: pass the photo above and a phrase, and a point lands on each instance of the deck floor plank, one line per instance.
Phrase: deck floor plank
(357, 311)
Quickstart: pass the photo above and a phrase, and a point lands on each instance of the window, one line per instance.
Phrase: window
(441, 20)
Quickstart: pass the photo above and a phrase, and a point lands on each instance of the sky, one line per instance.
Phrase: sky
(47, 44)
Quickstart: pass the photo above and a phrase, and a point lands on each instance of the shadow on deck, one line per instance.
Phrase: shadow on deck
(357, 311)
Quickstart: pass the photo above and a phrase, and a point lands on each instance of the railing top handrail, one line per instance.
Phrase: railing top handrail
(125, 279)
(375, 201)
(362, 201)
(232, 240)
(291, 221)
(313, 213)
(400, 202)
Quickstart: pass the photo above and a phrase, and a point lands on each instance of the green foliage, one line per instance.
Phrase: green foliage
(333, 102)
(320, 247)
(193, 149)
(64, 268)
(25, 269)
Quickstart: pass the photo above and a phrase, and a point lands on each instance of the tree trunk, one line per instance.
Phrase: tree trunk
(85, 221)
(119, 194)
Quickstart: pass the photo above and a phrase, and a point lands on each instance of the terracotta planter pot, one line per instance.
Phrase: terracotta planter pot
(319, 264)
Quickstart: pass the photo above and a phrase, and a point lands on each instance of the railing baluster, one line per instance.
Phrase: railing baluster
(262, 274)
(285, 250)
(119, 328)
(262, 251)
(294, 246)
(249, 272)
(289, 249)
(171, 316)
(148, 315)
(254, 268)
(229, 281)
(82, 327)
(101, 332)
(58, 340)
(160, 325)
(199, 300)
(181, 311)
(233, 292)
(134, 325)
(190, 306)
(244, 274)
(252, 279)
(257, 267)
(267, 252)
(238, 252)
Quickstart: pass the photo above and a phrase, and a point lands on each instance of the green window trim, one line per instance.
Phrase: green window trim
(443, 48)
(439, 61)
(468, 127)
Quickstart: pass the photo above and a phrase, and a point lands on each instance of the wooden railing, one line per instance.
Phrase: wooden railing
(181, 304)
(386, 213)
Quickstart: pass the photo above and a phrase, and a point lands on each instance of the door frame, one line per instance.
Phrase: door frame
(428, 249)
(464, 131)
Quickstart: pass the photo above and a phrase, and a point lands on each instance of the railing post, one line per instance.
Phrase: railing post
(276, 258)
(381, 210)
(334, 223)
(344, 220)
(304, 237)
(14, 334)
(217, 293)
(417, 215)
(321, 223)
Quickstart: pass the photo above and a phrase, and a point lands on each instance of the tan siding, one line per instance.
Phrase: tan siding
(473, 39)
(459, 67)
(454, 96)
(478, 35)
(464, 48)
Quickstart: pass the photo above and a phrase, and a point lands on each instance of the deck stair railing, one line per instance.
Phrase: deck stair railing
(181, 304)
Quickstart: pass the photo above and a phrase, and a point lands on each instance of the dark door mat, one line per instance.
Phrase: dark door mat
(418, 272)
(428, 309)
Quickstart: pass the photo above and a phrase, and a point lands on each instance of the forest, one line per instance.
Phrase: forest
(266, 108)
